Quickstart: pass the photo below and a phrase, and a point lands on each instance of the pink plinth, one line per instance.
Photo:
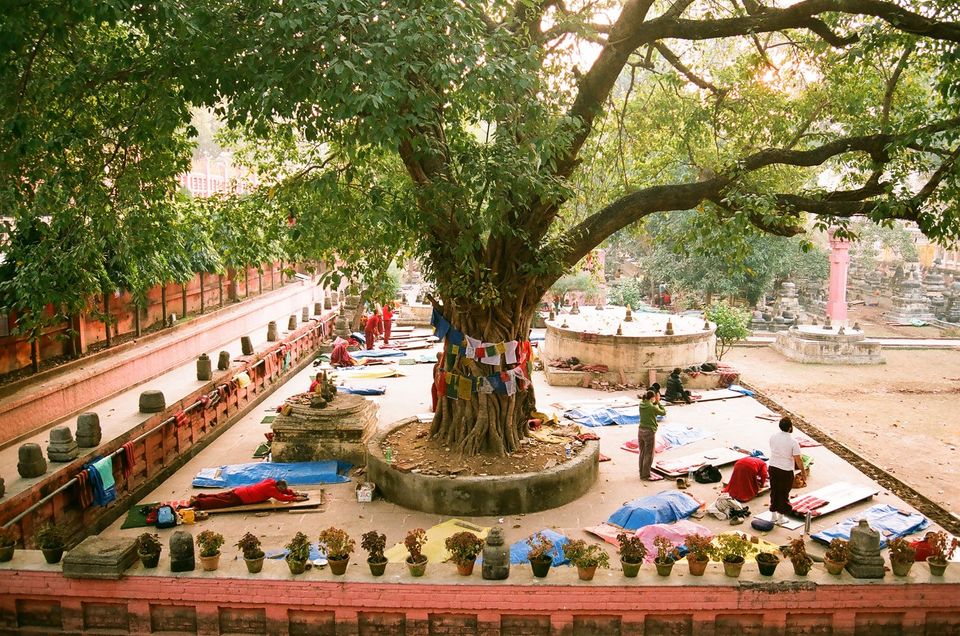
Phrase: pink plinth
(839, 264)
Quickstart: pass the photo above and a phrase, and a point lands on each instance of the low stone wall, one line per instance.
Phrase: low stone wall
(483, 496)
(36, 598)
(827, 348)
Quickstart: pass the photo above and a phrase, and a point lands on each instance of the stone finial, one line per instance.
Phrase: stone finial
(181, 552)
(152, 401)
(327, 302)
(669, 331)
(629, 316)
(204, 368)
(564, 325)
(318, 307)
(619, 330)
(496, 556)
(856, 326)
(706, 325)
(576, 308)
(305, 314)
(292, 323)
(599, 307)
(841, 331)
(246, 345)
(62, 447)
(223, 362)
(826, 323)
(552, 316)
(865, 560)
(32, 463)
(273, 334)
(88, 430)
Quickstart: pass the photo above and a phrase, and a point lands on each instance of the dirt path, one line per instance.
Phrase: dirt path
(903, 416)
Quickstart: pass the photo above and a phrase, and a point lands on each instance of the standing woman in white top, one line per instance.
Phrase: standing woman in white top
(784, 456)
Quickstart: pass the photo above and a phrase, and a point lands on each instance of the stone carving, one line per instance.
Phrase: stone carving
(62, 447)
(32, 463)
(496, 557)
(246, 346)
(152, 401)
(865, 560)
(223, 362)
(100, 558)
(273, 334)
(204, 368)
(305, 314)
(629, 316)
(88, 430)
(338, 431)
(292, 323)
(909, 303)
(181, 552)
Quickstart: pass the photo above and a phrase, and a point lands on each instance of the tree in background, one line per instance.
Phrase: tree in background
(731, 324)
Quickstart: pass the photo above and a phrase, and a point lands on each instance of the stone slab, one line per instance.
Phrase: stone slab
(100, 558)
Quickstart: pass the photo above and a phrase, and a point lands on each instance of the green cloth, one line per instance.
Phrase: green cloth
(105, 468)
(648, 414)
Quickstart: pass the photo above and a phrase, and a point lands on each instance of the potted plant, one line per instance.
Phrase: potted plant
(253, 555)
(417, 560)
(464, 548)
(732, 550)
(374, 543)
(902, 556)
(209, 543)
(767, 563)
(699, 549)
(8, 544)
(941, 551)
(632, 553)
(666, 555)
(337, 545)
(586, 557)
(148, 549)
(51, 541)
(298, 553)
(540, 557)
(799, 557)
(837, 555)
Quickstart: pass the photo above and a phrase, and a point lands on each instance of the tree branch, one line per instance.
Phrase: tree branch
(675, 62)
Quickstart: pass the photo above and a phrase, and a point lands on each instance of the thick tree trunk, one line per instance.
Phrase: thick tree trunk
(137, 321)
(35, 351)
(259, 282)
(183, 301)
(106, 318)
(203, 290)
(488, 423)
(163, 303)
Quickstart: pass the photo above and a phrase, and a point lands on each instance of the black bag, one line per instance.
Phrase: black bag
(707, 474)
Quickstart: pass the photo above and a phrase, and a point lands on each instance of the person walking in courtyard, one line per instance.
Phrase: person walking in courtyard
(650, 408)
(784, 457)
(372, 329)
(387, 323)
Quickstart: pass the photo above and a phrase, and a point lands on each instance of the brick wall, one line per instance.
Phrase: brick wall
(45, 601)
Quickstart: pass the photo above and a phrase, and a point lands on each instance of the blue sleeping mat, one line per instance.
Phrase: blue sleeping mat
(519, 551)
(295, 474)
(604, 416)
(664, 507)
(884, 518)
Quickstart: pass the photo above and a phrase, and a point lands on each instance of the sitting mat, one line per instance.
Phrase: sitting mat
(889, 521)
(520, 551)
(378, 353)
(295, 474)
(664, 507)
(675, 532)
(435, 548)
(680, 466)
(374, 390)
(604, 416)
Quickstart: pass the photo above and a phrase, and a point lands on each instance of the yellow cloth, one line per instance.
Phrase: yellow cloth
(242, 379)
(435, 548)
(368, 372)
(546, 436)
(760, 546)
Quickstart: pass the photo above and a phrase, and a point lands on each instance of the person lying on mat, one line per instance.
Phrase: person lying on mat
(246, 495)
(749, 476)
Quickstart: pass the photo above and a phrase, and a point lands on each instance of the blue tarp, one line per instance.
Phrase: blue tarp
(884, 518)
(295, 474)
(378, 353)
(315, 553)
(682, 434)
(664, 507)
(604, 416)
(739, 389)
(376, 390)
(519, 551)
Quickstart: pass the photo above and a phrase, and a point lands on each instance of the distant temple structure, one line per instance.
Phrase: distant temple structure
(209, 176)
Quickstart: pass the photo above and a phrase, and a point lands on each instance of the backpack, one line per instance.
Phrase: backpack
(707, 474)
(166, 517)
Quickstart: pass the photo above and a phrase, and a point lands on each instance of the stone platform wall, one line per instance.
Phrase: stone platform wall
(315, 603)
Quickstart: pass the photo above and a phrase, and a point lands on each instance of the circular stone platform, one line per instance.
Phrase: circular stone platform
(814, 344)
(482, 496)
(591, 337)
(337, 431)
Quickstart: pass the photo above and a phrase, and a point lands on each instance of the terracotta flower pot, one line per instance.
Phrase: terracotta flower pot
(210, 563)
(834, 567)
(767, 568)
(377, 568)
(417, 569)
(697, 567)
(664, 567)
(541, 567)
(296, 567)
(732, 568)
(630, 570)
(801, 569)
(338, 566)
(149, 560)
(52, 555)
(6, 552)
(937, 566)
(254, 565)
(901, 568)
(465, 569)
(586, 572)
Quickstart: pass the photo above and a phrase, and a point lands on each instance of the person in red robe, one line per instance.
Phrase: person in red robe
(387, 323)
(749, 476)
(340, 357)
(245, 495)
(435, 387)
(372, 329)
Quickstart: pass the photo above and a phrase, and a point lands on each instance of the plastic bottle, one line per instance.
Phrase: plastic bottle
(389, 455)
(568, 451)
(690, 477)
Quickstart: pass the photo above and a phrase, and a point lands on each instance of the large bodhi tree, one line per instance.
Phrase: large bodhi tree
(462, 126)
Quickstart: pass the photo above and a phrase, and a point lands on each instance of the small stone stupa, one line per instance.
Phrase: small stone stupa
(62, 447)
(88, 430)
(951, 309)
(909, 303)
(32, 463)
(865, 560)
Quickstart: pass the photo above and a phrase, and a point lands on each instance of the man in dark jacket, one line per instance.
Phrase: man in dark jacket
(675, 391)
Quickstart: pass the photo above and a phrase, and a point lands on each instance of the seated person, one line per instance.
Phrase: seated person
(675, 391)
(246, 495)
(749, 476)
(340, 357)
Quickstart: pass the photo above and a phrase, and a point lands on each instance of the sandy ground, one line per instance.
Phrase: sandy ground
(902, 416)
